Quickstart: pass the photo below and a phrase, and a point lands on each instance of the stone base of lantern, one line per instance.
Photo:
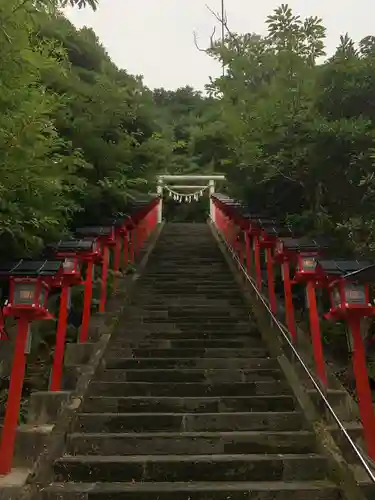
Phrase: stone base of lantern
(70, 377)
(11, 484)
(44, 406)
(78, 354)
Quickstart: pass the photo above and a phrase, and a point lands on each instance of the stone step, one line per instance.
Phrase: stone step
(188, 317)
(170, 404)
(167, 302)
(214, 290)
(222, 314)
(189, 406)
(182, 389)
(217, 312)
(226, 312)
(195, 320)
(202, 335)
(181, 343)
(244, 490)
(134, 327)
(197, 301)
(185, 284)
(198, 363)
(225, 306)
(191, 443)
(202, 264)
(189, 422)
(221, 468)
(199, 271)
(189, 353)
(212, 325)
(189, 375)
(191, 280)
(191, 274)
(188, 296)
(179, 325)
(208, 293)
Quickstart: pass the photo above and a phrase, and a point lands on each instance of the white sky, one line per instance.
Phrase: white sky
(154, 38)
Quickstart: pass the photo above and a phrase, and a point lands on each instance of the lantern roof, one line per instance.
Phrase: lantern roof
(105, 230)
(222, 197)
(76, 245)
(264, 222)
(278, 230)
(233, 203)
(138, 203)
(303, 244)
(31, 268)
(343, 267)
(366, 274)
(254, 215)
(115, 222)
(122, 215)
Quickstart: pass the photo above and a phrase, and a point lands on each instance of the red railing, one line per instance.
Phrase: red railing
(238, 229)
(131, 233)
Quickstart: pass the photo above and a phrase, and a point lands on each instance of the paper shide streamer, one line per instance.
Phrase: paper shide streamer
(186, 197)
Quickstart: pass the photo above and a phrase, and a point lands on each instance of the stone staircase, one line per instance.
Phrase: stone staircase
(188, 404)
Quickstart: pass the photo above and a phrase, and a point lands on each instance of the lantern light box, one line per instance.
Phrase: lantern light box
(73, 252)
(270, 234)
(306, 263)
(29, 286)
(257, 224)
(284, 248)
(302, 249)
(247, 221)
(348, 286)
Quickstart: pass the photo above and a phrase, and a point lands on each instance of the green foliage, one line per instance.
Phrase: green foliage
(297, 134)
(37, 177)
(77, 134)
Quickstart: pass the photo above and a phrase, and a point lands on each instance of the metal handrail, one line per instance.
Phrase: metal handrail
(303, 364)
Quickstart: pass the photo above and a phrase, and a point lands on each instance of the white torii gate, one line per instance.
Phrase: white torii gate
(211, 187)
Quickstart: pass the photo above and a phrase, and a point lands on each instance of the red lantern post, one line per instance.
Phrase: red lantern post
(73, 252)
(284, 256)
(115, 241)
(308, 273)
(91, 257)
(107, 238)
(27, 302)
(267, 240)
(132, 243)
(117, 254)
(250, 230)
(256, 225)
(350, 302)
(220, 217)
(142, 211)
(248, 253)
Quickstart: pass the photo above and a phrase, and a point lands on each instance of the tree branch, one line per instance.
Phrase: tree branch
(211, 41)
(224, 22)
(288, 178)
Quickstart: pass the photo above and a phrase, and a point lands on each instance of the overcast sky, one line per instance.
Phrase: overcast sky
(155, 37)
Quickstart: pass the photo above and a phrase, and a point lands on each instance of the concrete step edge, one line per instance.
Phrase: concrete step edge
(201, 415)
(255, 457)
(174, 435)
(193, 486)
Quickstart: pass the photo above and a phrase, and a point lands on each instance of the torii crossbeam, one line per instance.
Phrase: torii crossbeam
(167, 177)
